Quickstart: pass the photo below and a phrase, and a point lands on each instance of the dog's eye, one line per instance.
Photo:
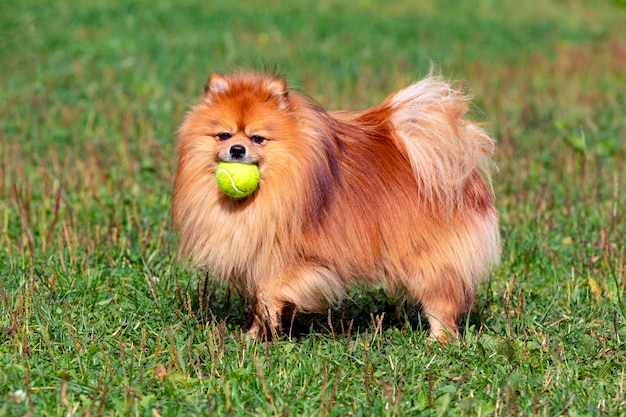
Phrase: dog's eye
(224, 136)
(257, 139)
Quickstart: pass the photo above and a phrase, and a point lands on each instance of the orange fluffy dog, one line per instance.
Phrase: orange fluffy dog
(397, 194)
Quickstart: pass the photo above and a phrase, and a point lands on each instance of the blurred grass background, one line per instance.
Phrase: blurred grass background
(98, 317)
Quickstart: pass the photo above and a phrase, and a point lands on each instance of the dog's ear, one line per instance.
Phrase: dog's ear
(216, 83)
(278, 87)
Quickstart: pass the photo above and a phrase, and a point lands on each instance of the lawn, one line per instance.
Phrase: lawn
(99, 317)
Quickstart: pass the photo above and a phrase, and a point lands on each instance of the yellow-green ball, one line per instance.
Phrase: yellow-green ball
(236, 179)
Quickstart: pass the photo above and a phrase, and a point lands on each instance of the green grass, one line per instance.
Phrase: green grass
(99, 318)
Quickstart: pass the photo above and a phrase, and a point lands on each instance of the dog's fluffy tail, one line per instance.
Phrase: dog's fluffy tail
(444, 147)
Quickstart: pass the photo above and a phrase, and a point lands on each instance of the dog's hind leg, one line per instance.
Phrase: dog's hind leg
(444, 298)
(443, 313)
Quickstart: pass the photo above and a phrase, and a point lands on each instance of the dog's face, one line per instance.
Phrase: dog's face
(243, 118)
(253, 119)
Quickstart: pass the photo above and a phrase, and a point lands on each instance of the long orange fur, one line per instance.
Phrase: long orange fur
(398, 194)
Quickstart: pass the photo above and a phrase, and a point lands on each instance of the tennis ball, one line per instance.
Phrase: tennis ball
(236, 179)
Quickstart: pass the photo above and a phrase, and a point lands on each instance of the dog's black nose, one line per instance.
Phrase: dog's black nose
(237, 151)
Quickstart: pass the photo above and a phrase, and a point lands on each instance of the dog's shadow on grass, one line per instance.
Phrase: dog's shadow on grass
(365, 308)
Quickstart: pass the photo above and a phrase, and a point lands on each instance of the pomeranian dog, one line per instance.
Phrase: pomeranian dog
(398, 194)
